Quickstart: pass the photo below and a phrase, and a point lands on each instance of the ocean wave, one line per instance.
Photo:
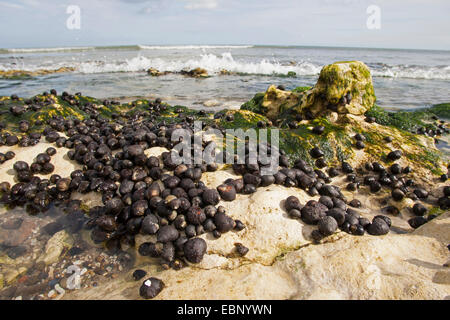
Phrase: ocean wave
(212, 63)
(194, 47)
(32, 50)
(124, 47)
(412, 72)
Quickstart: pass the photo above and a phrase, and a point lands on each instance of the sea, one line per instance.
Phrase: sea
(403, 79)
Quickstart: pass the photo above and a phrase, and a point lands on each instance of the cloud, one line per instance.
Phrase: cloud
(200, 4)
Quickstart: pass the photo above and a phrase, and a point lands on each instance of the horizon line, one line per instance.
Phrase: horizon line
(225, 44)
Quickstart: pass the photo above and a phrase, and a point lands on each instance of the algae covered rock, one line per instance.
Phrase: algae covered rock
(342, 87)
(196, 73)
(24, 74)
(276, 101)
(345, 87)
(153, 72)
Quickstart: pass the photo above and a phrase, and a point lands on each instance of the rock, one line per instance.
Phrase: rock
(13, 238)
(276, 101)
(390, 267)
(348, 81)
(155, 72)
(196, 73)
(12, 274)
(225, 72)
(14, 74)
(55, 246)
(12, 224)
(342, 87)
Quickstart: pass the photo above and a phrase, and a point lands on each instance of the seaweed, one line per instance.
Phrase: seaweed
(254, 104)
(407, 120)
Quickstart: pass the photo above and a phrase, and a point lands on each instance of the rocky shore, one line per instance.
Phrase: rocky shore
(94, 208)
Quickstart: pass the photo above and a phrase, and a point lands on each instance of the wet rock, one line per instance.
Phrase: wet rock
(55, 247)
(12, 224)
(52, 228)
(15, 252)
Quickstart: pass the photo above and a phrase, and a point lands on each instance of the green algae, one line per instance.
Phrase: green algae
(243, 119)
(409, 120)
(428, 159)
(59, 108)
(335, 141)
(254, 104)
(436, 211)
(301, 89)
(441, 110)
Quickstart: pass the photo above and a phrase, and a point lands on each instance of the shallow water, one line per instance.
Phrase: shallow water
(403, 79)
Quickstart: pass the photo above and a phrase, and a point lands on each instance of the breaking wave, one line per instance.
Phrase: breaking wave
(412, 72)
(193, 47)
(214, 64)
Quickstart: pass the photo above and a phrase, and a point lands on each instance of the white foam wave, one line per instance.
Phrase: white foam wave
(192, 47)
(215, 63)
(413, 72)
(210, 62)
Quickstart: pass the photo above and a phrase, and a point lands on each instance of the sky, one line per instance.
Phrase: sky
(409, 24)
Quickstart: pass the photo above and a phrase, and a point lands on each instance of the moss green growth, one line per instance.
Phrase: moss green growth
(243, 119)
(254, 104)
(428, 159)
(301, 89)
(409, 120)
(291, 74)
(440, 110)
(436, 210)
